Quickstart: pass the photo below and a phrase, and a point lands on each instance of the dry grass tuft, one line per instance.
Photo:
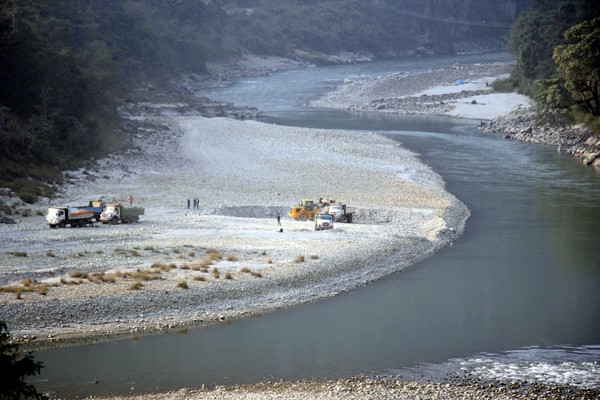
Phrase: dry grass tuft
(192, 254)
(269, 261)
(143, 274)
(199, 278)
(314, 257)
(96, 277)
(182, 285)
(256, 274)
(246, 270)
(161, 267)
(228, 275)
(213, 254)
(299, 259)
(216, 273)
(135, 286)
(50, 253)
(77, 274)
(30, 288)
(231, 257)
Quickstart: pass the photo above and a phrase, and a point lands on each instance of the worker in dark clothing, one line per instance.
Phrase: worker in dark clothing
(278, 219)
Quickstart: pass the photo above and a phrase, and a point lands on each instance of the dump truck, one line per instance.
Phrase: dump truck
(96, 206)
(341, 212)
(63, 216)
(115, 212)
(323, 221)
(304, 211)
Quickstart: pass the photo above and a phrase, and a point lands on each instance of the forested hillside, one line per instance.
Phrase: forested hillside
(557, 45)
(65, 64)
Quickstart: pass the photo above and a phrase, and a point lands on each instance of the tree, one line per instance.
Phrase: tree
(579, 64)
(14, 368)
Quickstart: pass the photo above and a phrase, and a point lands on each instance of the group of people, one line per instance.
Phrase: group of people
(195, 205)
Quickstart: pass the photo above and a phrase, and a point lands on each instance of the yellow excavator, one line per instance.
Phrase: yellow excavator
(304, 211)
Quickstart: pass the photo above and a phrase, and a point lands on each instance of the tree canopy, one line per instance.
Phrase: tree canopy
(14, 368)
(579, 65)
(558, 60)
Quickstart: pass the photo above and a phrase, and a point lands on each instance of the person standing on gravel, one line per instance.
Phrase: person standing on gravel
(188, 204)
(278, 219)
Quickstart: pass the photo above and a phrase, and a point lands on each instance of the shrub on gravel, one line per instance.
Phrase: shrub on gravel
(299, 259)
(199, 278)
(49, 253)
(18, 253)
(228, 275)
(231, 257)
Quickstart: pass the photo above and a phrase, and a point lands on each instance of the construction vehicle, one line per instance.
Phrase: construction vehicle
(115, 212)
(96, 206)
(323, 221)
(63, 216)
(341, 212)
(307, 209)
(304, 211)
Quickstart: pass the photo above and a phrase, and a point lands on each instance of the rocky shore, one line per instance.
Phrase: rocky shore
(576, 140)
(363, 387)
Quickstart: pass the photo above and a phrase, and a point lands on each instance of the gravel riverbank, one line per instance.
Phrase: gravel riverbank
(228, 258)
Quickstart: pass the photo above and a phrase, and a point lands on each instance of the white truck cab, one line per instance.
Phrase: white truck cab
(323, 221)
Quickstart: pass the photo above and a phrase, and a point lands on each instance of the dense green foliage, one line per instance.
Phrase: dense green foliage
(557, 45)
(65, 64)
(14, 368)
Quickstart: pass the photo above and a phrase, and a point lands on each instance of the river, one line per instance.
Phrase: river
(517, 296)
